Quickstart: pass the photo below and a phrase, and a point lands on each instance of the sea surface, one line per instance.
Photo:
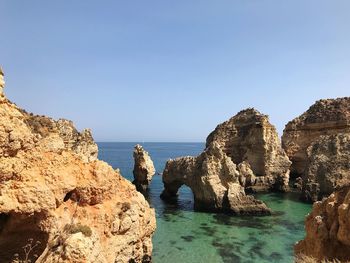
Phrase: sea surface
(186, 236)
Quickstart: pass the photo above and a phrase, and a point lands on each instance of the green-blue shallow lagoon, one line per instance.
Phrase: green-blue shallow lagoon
(186, 236)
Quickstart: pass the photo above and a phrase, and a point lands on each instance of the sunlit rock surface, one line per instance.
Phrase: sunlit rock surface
(143, 168)
(328, 228)
(250, 138)
(214, 181)
(55, 195)
(325, 117)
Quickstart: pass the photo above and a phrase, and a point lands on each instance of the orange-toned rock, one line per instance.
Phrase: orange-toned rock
(249, 137)
(54, 192)
(328, 228)
(214, 181)
(325, 117)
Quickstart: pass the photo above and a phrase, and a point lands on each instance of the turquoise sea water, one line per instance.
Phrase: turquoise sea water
(185, 236)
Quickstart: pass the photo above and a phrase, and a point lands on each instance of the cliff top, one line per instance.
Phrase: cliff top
(324, 110)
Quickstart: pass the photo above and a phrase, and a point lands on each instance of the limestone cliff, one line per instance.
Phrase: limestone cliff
(328, 228)
(143, 168)
(328, 166)
(249, 137)
(57, 197)
(325, 117)
(81, 143)
(214, 181)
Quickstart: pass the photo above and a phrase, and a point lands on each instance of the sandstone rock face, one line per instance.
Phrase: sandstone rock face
(52, 191)
(249, 137)
(328, 228)
(143, 168)
(328, 166)
(325, 117)
(214, 181)
(81, 143)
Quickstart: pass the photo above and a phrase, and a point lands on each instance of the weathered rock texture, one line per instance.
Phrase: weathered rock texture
(249, 137)
(325, 117)
(51, 191)
(328, 166)
(328, 228)
(214, 181)
(81, 143)
(143, 168)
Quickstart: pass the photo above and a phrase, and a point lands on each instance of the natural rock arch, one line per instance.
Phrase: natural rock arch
(214, 181)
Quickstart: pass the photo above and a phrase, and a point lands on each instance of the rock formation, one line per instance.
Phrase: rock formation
(81, 143)
(143, 168)
(55, 197)
(328, 166)
(328, 228)
(325, 117)
(214, 181)
(249, 137)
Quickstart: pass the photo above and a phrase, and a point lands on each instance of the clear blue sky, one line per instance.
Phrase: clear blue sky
(172, 70)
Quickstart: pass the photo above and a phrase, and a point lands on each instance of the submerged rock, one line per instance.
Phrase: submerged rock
(328, 166)
(328, 228)
(56, 196)
(143, 168)
(325, 117)
(249, 137)
(214, 181)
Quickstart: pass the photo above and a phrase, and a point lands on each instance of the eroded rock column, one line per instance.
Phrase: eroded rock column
(143, 168)
(250, 138)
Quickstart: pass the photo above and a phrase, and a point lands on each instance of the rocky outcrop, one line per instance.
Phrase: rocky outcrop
(56, 198)
(81, 143)
(143, 168)
(249, 137)
(214, 181)
(328, 228)
(328, 166)
(325, 117)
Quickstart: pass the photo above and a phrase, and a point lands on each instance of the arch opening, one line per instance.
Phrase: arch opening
(179, 195)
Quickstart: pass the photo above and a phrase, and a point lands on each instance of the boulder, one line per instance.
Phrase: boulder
(143, 168)
(214, 181)
(328, 228)
(325, 117)
(328, 166)
(249, 137)
(59, 201)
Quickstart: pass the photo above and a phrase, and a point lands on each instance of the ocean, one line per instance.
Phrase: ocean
(186, 236)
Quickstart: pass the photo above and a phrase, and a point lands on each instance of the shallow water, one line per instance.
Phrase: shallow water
(186, 236)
